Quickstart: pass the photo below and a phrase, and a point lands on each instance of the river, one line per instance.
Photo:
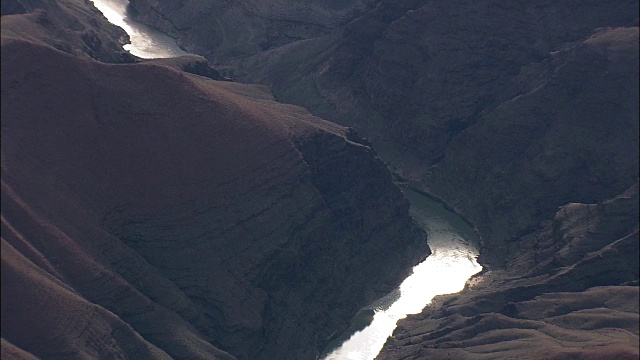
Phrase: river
(452, 241)
(445, 271)
(146, 41)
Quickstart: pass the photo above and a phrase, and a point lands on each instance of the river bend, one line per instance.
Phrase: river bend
(445, 271)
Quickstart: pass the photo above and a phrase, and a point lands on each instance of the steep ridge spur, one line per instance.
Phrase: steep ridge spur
(151, 213)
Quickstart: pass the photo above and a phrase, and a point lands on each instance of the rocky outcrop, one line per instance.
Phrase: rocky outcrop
(568, 291)
(151, 213)
(72, 26)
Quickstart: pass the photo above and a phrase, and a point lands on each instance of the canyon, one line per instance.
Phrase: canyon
(153, 213)
(155, 209)
(523, 117)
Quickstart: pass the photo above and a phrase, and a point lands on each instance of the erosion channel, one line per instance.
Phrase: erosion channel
(451, 239)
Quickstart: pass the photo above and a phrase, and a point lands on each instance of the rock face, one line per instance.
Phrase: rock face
(151, 213)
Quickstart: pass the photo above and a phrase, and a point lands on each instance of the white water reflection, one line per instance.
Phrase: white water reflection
(146, 42)
(446, 271)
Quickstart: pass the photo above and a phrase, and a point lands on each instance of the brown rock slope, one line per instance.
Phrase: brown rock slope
(150, 213)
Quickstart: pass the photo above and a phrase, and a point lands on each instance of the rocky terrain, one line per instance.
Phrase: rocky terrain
(226, 31)
(475, 102)
(564, 287)
(507, 112)
(72, 26)
(151, 213)
(155, 213)
(567, 291)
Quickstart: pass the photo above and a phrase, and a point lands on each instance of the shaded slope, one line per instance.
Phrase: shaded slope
(566, 286)
(201, 216)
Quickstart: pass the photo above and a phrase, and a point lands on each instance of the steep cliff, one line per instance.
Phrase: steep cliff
(151, 213)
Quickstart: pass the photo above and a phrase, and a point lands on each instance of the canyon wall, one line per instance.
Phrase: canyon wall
(472, 101)
(225, 31)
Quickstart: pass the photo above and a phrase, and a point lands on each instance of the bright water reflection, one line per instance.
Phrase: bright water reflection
(146, 42)
(446, 271)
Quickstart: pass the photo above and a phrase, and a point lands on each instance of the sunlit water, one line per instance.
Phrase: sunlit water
(146, 42)
(446, 271)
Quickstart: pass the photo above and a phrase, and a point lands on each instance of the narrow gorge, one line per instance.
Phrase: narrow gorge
(169, 203)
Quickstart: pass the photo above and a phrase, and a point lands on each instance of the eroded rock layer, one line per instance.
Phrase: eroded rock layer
(151, 213)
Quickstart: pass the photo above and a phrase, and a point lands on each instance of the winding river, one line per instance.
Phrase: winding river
(452, 241)
(146, 41)
(446, 271)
